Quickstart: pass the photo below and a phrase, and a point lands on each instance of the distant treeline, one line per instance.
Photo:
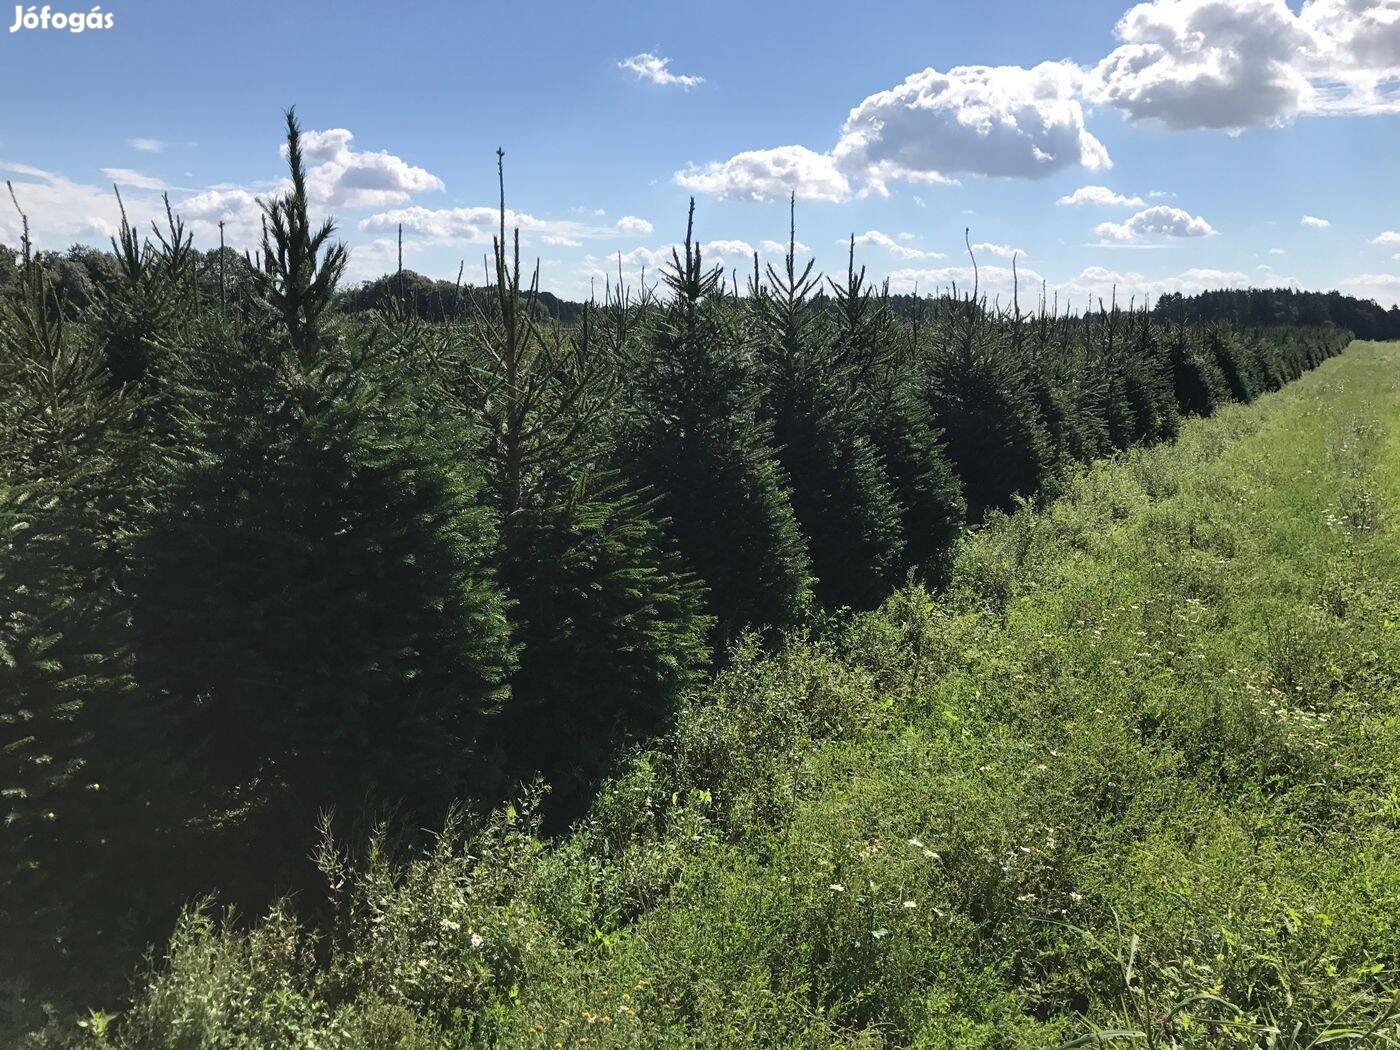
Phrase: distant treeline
(1364, 318)
(81, 270)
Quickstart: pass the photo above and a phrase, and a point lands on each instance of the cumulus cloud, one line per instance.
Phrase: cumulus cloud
(653, 68)
(1241, 63)
(1277, 251)
(1315, 222)
(885, 241)
(1384, 288)
(1004, 250)
(235, 206)
(768, 174)
(1161, 220)
(339, 176)
(127, 177)
(1205, 64)
(62, 211)
(147, 145)
(479, 223)
(630, 224)
(1100, 195)
(976, 120)
(1388, 239)
(781, 248)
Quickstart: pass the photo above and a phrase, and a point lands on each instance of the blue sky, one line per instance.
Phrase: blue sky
(1205, 130)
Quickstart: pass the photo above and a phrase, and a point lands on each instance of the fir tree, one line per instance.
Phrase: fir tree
(694, 437)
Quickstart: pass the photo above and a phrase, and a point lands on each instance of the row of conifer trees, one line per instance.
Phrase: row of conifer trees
(260, 558)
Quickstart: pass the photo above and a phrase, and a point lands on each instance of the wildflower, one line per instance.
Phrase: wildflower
(477, 939)
(836, 887)
(916, 844)
(910, 904)
(448, 924)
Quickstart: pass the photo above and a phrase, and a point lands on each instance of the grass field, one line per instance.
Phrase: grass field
(1136, 771)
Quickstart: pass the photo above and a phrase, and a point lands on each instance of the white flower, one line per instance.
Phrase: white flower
(477, 939)
(910, 904)
(916, 844)
(448, 924)
(836, 887)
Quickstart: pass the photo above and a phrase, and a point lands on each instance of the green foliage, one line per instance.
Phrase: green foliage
(313, 597)
(982, 399)
(610, 625)
(1108, 801)
(64, 486)
(693, 435)
(843, 499)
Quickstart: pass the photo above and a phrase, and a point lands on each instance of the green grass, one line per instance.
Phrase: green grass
(1137, 771)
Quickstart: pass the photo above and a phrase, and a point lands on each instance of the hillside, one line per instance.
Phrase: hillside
(1134, 771)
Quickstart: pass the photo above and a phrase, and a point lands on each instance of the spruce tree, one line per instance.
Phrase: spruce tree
(694, 437)
(1195, 376)
(64, 648)
(844, 503)
(980, 396)
(315, 604)
(611, 625)
(897, 423)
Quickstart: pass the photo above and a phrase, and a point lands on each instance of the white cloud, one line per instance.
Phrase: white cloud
(1315, 222)
(1384, 288)
(1100, 195)
(127, 177)
(781, 248)
(768, 174)
(479, 223)
(1240, 63)
(631, 224)
(1005, 251)
(339, 176)
(1388, 239)
(654, 68)
(885, 241)
(1160, 220)
(147, 145)
(236, 206)
(61, 211)
(1277, 251)
(977, 120)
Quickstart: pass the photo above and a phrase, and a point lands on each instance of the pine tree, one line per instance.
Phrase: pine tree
(898, 424)
(316, 605)
(694, 437)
